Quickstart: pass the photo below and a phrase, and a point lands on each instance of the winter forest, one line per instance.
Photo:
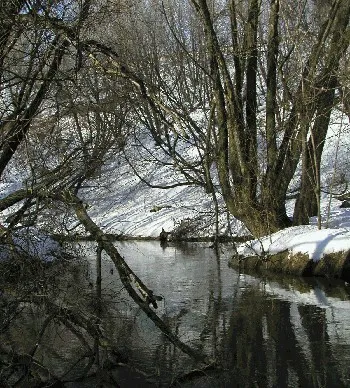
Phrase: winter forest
(234, 99)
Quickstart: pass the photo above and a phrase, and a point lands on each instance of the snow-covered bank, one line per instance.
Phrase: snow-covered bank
(123, 204)
(305, 239)
(302, 250)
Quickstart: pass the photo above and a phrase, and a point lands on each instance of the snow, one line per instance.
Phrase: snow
(121, 203)
(334, 235)
(128, 206)
(305, 239)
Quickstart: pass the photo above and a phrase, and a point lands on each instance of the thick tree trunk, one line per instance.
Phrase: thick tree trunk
(308, 201)
(306, 205)
(260, 217)
(263, 221)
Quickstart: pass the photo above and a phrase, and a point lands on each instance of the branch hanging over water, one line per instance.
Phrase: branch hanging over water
(128, 278)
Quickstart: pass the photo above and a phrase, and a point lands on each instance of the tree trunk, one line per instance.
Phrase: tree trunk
(261, 217)
(306, 205)
(308, 201)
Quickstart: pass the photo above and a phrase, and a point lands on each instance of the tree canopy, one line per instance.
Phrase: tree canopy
(236, 95)
(250, 84)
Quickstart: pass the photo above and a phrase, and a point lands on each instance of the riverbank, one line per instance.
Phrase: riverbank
(333, 265)
(117, 237)
(300, 250)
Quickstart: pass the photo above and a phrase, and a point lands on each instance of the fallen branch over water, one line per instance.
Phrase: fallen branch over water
(145, 296)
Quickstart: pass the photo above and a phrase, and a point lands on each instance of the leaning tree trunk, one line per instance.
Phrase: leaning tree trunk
(308, 201)
(138, 291)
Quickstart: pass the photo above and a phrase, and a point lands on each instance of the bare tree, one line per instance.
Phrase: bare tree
(64, 114)
(233, 59)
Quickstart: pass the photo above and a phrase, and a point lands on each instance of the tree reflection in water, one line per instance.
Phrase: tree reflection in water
(265, 349)
(258, 339)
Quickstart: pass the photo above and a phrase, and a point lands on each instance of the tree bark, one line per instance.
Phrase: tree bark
(308, 200)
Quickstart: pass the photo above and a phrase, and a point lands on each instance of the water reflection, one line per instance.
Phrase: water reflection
(266, 348)
(274, 332)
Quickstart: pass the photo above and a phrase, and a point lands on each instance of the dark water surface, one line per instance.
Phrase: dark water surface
(266, 333)
(276, 332)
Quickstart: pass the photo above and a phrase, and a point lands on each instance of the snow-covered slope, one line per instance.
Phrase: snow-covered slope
(122, 203)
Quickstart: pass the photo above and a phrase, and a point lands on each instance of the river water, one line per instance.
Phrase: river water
(275, 332)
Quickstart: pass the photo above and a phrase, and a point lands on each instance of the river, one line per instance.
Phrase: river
(266, 333)
(263, 332)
